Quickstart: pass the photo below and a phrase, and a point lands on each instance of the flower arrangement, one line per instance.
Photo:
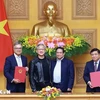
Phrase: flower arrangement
(49, 92)
(73, 45)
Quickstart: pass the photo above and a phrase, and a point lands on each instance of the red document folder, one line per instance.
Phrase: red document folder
(20, 73)
(95, 78)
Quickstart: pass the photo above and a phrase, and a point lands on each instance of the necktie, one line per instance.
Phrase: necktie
(19, 61)
(95, 66)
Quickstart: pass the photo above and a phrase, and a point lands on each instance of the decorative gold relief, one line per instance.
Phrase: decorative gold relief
(84, 9)
(17, 9)
(59, 5)
(89, 34)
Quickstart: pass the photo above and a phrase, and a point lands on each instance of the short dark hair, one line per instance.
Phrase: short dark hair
(61, 49)
(95, 49)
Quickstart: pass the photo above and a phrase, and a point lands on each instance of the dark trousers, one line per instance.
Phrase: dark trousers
(41, 85)
(18, 88)
(57, 85)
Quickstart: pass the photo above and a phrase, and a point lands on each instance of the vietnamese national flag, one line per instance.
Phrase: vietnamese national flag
(5, 37)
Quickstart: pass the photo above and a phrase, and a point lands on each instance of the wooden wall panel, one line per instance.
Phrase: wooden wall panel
(84, 9)
(17, 9)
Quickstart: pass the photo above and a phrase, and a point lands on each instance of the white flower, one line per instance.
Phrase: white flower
(47, 89)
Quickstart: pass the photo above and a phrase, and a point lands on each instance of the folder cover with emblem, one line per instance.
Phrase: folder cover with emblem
(20, 73)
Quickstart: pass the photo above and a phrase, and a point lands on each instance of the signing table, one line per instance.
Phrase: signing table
(88, 96)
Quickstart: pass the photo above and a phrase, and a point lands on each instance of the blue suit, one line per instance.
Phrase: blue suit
(9, 69)
(88, 69)
(67, 74)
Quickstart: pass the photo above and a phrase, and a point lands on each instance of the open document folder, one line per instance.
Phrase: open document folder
(95, 78)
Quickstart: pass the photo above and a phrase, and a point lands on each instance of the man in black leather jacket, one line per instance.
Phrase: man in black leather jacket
(39, 70)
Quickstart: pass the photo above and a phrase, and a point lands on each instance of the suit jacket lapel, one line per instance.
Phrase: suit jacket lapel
(14, 60)
(92, 65)
(55, 61)
(62, 68)
(52, 70)
(98, 66)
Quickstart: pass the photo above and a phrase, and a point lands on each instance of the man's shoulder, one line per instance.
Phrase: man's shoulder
(53, 60)
(10, 57)
(48, 59)
(34, 60)
(23, 56)
(89, 62)
(67, 60)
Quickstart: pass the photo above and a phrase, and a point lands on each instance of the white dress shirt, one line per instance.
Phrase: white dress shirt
(19, 60)
(57, 72)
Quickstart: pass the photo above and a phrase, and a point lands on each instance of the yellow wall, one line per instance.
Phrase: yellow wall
(67, 19)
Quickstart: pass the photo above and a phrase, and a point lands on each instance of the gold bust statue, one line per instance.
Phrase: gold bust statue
(50, 27)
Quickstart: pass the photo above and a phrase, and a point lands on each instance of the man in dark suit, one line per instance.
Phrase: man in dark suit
(90, 67)
(62, 71)
(14, 85)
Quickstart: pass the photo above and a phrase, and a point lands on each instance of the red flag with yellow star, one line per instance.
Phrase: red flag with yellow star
(5, 37)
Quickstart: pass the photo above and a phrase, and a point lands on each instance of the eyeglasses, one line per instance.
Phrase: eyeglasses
(17, 48)
(40, 49)
(59, 52)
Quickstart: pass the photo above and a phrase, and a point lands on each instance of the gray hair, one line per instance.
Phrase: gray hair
(17, 43)
(40, 45)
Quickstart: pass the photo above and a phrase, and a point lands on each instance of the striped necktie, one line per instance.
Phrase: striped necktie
(95, 66)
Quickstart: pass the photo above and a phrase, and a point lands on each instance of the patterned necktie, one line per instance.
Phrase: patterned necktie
(95, 66)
